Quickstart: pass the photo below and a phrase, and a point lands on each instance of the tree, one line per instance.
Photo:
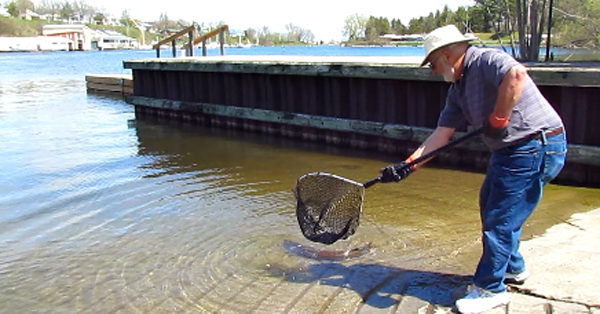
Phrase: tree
(461, 20)
(530, 25)
(415, 25)
(354, 27)
(19, 7)
(99, 18)
(251, 34)
(397, 27)
(49, 7)
(164, 23)
(12, 9)
(83, 11)
(265, 36)
(376, 27)
(447, 16)
(125, 19)
(66, 11)
(299, 34)
(576, 23)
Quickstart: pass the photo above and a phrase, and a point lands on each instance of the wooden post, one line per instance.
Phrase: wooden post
(158, 52)
(222, 40)
(204, 47)
(174, 48)
(191, 44)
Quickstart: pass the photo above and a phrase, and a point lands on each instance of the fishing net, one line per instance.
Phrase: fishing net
(328, 206)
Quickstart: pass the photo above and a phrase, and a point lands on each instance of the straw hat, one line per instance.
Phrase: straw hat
(442, 37)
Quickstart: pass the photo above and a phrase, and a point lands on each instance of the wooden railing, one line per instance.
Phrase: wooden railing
(218, 31)
(192, 42)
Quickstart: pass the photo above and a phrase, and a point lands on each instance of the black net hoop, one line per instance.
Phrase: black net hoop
(328, 206)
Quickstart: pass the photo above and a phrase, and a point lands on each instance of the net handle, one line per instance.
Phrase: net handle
(432, 153)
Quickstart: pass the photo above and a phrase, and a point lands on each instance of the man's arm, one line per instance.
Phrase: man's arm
(440, 137)
(509, 91)
(395, 173)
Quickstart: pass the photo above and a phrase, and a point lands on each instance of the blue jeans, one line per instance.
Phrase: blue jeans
(511, 190)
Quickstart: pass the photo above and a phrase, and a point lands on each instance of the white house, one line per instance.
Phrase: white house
(109, 40)
(38, 43)
(81, 36)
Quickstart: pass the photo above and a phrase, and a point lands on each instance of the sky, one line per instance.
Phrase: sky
(324, 18)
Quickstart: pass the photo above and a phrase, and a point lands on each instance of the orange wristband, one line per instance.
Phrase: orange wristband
(498, 122)
(410, 159)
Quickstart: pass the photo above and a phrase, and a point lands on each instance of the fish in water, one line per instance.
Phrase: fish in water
(331, 255)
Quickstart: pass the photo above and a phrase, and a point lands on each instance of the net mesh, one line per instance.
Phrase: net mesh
(328, 206)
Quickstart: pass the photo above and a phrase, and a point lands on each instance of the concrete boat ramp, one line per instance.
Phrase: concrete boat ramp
(564, 265)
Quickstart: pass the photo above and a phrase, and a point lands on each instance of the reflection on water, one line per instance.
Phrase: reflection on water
(102, 211)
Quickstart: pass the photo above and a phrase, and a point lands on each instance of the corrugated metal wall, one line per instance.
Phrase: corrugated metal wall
(408, 102)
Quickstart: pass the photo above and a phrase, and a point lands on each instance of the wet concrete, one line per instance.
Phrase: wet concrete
(563, 262)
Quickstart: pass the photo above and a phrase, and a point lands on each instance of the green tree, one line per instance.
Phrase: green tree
(461, 20)
(576, 23)
(397, 27)
(530, 25)
(125, 19)
(416, 25)
(354, 27)
(19, 7)
(375, 28)
(66, 11)
(11, 7)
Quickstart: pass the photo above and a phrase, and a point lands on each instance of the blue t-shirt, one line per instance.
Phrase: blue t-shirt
(472, 98)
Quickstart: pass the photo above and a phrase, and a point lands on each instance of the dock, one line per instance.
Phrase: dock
(386, 104)
(112, 84)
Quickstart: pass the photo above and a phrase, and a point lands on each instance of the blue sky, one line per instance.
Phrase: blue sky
(324, 18)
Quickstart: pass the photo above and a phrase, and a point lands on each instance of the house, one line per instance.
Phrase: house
(109, 40)
(38, 43)
(29, 15)
(408, 37)
(81, 36)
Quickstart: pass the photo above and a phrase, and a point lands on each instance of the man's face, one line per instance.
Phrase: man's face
(440, 65)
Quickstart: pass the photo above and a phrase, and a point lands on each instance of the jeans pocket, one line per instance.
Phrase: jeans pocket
(554, 161)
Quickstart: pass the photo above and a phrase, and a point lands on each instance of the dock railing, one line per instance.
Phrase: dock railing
(218, 31)
(192, 42)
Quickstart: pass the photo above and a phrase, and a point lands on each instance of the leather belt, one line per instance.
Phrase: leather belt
(549, 133)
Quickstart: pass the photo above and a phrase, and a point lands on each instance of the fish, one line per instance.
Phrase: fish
(328, 255)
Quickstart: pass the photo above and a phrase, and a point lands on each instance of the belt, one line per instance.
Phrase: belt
(549, 133)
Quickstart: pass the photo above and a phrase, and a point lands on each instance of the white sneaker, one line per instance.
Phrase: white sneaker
(517, 278)
(480, 300)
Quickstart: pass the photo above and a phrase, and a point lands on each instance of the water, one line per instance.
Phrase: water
(102, 211)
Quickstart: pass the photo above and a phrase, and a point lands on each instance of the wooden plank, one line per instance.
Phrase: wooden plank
(344, 66)
(119, 79)
(171, 38)
(210, 34)
(105, 87)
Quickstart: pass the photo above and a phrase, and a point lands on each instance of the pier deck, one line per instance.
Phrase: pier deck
(388, 104)
(114, 84)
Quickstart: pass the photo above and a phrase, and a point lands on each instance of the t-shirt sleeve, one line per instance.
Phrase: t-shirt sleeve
(494, 65)
(451, 115)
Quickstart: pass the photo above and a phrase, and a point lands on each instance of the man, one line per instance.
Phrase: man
(527, 140)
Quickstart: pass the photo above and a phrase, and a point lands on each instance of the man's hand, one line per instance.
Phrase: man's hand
(395, 173)
(495, 127)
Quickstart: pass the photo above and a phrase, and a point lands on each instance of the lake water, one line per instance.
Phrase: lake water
(103, 211)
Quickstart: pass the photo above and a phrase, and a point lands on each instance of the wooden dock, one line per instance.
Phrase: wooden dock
(387, 104)
(113, 84)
